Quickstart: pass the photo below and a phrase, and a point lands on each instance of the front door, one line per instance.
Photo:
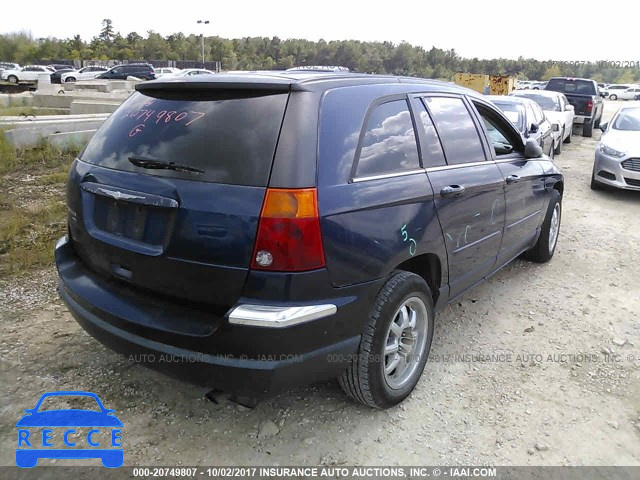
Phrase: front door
(524, 185)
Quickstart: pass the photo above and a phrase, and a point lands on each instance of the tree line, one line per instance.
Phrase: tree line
(261, 53)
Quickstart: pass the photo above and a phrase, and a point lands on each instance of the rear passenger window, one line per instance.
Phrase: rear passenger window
(389, 143)
(456, 129)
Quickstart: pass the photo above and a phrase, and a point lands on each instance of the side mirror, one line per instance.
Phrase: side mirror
(603, 126)
(532, 149)
(533, 128)
(555, 127)
(569, 108)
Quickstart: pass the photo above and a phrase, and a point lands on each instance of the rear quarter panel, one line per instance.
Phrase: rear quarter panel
(369, 227)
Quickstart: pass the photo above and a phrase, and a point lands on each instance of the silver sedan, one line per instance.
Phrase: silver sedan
(617, 162)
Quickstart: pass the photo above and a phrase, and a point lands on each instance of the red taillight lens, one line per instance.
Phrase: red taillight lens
(589, 105)
(289, 232)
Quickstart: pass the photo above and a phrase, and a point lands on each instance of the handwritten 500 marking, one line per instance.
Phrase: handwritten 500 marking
(412, 243)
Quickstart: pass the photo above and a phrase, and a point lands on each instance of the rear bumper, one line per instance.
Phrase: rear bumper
(582, 119)
(203, 347)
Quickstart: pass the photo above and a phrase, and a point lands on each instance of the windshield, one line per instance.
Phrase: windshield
(229, 136)
(628, 120)
(546, 103)
(513, 112)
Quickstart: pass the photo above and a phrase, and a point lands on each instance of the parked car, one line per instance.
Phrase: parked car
(28, 73)
(56, 77)
(86, 73)
(537, 85)
(583, 94)
(231, 225)
(122, 72)
(161, 72)
(612, 92)
(8, 66)
(60, 66)
(523, 84)
(629, 93)
(617, 158)
(190, 72)
(530, 120)
(557, 109)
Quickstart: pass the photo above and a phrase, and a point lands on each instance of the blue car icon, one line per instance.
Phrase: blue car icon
(69, 419)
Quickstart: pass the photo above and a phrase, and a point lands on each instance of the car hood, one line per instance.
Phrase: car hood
(623, 140)
(69, 418)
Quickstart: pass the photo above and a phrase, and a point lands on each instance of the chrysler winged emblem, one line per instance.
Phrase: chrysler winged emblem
(119, 195)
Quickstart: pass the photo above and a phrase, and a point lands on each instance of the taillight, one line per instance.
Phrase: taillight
(589, 105)
(289, 232)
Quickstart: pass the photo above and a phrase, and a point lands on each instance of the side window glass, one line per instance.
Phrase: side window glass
(389, 143)
(500, 135)
(531, 118)
(457, 130)
(432, 154)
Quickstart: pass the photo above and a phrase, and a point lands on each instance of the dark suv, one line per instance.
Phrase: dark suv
(121, 72)
(256, 231)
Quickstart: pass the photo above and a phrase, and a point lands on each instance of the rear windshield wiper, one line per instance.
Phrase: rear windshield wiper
(161, 165)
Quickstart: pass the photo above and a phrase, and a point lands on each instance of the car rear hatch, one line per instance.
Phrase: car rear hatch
(167, 194)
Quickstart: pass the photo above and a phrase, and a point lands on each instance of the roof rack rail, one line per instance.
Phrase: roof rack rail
(318, 68)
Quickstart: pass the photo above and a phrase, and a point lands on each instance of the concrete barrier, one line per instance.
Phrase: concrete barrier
(29, 132)
(93, 106)
(52, 100)
(16, 99)
(65, 140)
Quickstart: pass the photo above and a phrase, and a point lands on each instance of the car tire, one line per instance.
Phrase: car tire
(545, 247)
(12, 79)
(570, 137)
(378, 376)
(597, 122)
(613, 96)
(558, 149)
(69, 79)
(587, 130)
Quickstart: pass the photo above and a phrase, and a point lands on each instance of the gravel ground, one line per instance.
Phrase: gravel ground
(551, 377)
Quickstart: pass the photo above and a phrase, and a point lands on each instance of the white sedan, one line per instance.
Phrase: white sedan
(558, 111)
(25, 74)
(162, 71)
(86, 73)
(629, 93)
(189, 72)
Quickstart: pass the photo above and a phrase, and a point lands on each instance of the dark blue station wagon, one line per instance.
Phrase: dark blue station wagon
(251, 232)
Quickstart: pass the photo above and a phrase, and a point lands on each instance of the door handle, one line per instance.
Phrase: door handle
(452, 190)
(512, 179)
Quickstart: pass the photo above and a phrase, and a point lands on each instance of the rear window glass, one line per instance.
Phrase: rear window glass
(230, 137)
(513, 112)
(457, 130)
(581, 87)
(547, 103)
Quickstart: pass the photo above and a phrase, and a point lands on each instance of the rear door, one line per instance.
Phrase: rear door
(469, 194)
(187, 228)
(524, 183)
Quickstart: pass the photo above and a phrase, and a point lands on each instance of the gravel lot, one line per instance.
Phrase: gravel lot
(553, 376)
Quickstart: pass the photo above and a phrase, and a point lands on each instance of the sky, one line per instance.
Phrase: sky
(543, 29)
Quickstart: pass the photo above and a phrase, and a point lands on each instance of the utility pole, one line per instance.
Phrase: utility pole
(203, 22)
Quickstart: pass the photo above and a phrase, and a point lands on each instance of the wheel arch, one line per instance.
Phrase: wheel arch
(429, 267)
